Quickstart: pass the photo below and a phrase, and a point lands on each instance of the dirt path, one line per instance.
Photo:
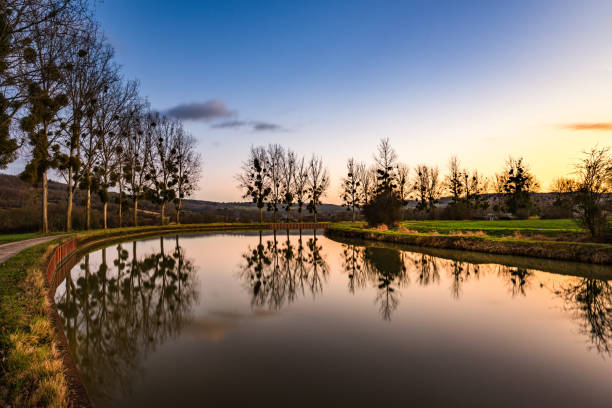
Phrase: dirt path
(13, 248)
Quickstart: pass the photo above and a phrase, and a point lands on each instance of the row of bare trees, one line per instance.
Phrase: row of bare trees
(390, 184)
(65, 105)
(275, 178)
(426, 185)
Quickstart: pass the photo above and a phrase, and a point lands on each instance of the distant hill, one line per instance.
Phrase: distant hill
(20, 205)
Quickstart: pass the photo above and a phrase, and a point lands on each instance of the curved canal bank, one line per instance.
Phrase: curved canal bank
(36, 366)
(565, 251)
(186, 320)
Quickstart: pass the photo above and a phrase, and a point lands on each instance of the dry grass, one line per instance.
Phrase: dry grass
(405, 230)
(32, 368)
(469, 233)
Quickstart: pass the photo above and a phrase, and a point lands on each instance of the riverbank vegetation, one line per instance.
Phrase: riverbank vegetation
(388, 192)
(551, 239)
(31, 369)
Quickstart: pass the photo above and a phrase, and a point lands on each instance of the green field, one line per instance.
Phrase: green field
(548, 228)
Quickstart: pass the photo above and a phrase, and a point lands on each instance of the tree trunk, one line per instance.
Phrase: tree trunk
(178, 211)
(315, 216)
(135, 212)
(45, 195)
(105, 212)
(353, 213)
(88, 207)
(120, 203)
(163, 210)
(261, 215)
(69, 204)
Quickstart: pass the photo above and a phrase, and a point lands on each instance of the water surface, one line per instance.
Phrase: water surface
(253, 319)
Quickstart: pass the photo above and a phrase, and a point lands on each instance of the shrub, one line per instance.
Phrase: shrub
(384, 208)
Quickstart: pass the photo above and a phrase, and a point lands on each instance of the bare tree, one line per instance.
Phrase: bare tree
(497, 187)
(89, 153)
(288, 181)
(138, 142)
(21, 23)
(403, 184)
(454, 180)
(92, 70)
(275, 159)
(475, 187)
(45, 62)
(594, 173)
(112, 105)
(428, 187)
(254, 180)
(300, 185)
(350, 188)
(189, 167)
(162, 170)
(367, 182)
(318, 183)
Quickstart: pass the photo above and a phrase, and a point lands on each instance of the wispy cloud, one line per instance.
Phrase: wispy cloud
(216, 112)
(230, 124)
(603, 126)
(203, 111)
(254, 125)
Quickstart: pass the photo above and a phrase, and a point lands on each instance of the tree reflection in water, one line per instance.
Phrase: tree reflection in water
(387, 267)
(517, 279)
(590, 301)
(114, 319)
(460, 273)
(276, 272)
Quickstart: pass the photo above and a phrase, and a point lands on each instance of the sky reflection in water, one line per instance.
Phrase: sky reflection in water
(236, 319)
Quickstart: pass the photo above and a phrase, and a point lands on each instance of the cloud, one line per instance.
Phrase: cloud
(264, 126)
(230, 124)
(256, 126)
(205, 111)
(603, 126)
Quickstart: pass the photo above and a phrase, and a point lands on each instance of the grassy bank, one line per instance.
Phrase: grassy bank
(480, 242)
(562, 229)
(31, 366)
(31, 363)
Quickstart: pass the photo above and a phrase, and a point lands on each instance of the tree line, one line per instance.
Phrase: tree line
(382, 191)
(66, 107)
(277, 179)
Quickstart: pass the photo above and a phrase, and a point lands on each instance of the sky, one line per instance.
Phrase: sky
(480, 80)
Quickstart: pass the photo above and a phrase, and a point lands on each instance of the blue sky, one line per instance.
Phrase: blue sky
(482, 80)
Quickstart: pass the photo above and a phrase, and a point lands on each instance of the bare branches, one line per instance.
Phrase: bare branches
(318, 183)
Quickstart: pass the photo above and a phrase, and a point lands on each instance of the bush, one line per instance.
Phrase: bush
(457, 211)
(384, 208)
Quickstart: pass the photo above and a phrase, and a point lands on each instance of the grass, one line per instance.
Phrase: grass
(564, 228)
(31, 366)
(523, 238)
(7, 238)
(32, 371)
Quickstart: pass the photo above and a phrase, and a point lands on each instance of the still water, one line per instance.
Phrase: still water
(250, 319)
